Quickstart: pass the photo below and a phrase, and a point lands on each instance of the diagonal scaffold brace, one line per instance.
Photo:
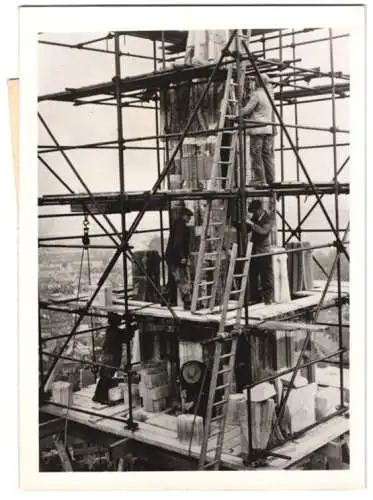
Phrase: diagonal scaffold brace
(299, 159)
(282, 407)
(140, 215)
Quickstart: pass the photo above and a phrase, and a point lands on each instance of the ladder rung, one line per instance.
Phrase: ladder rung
(210, 253)
(223, 401)
(216, 223)
(224, 162)
(205, 297)
(236, 291)
(239, 275)
(226, 147)
(214, 434)
(226, 370)
(210, 464)
(222, 387)
(215, 238)
(241, 259)
(203, 283)
(208, 268)
(224, 356)
(209, 450)
(221, 179)
(219, 417)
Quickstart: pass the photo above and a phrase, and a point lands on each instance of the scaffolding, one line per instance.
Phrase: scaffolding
(292, 91)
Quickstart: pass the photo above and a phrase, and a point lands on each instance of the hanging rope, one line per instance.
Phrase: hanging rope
(85, 241)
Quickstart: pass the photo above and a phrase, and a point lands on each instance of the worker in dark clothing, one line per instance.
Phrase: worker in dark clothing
(260, 223)
(112, 356)
(177, 254)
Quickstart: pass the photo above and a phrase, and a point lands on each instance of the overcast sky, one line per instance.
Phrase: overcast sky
(60, 68)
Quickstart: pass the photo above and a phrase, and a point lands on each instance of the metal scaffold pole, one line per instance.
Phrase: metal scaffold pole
(158, 148)
(130, 422)
(296, 137)
(242, 236)
(336, 208)
(283, 126)
(282, 170)
(41, 364)
(165, 144)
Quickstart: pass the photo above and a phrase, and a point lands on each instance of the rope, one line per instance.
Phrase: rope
(94, 369)
(85, 240)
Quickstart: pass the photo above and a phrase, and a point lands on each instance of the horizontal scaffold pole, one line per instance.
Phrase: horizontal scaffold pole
(133, 197)
(300, 161)
(281, 373)
(78, 176)
(305, 217)
(191, 118)
(85, 207)
(83, 312)
(85, 362)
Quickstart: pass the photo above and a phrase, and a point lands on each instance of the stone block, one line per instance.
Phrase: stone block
(327, 399)
(300, 409)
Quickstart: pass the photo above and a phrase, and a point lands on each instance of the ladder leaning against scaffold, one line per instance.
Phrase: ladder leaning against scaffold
(224, 351)
(207, 275)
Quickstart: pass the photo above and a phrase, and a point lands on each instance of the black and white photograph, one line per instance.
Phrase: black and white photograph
(192, 246)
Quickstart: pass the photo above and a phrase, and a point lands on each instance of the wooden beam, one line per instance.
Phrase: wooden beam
(119, 448)
(63, 454)
(290, 326)
(51, 427)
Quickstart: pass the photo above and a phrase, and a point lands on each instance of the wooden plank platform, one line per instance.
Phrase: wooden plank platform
(258, 313)
(160, 430)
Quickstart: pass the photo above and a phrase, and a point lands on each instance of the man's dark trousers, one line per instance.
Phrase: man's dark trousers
(261, 267)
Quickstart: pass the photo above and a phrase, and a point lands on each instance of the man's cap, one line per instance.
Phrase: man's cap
(114, 318)
(265, 78)
(254, 205)
(186, 211)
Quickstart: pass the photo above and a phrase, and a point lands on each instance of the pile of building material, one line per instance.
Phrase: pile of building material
(154, 387)
(262, 417)
(327, 400)
(300, 410)
(115, 394)
(190, 427)
(300, 267)
(272, 350)
(337, 453)
(233, 413)
(329, 376)
(280, 275)
(190, 351)
(62, 393)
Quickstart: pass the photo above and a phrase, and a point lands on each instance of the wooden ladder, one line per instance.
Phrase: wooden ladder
(224, 350)
(63, 454)
(216, 211)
